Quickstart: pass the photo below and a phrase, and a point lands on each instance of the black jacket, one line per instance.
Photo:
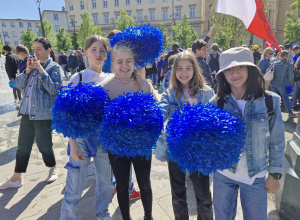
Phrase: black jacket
(11, 65)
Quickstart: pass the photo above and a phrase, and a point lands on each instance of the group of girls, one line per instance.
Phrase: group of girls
(240, 89)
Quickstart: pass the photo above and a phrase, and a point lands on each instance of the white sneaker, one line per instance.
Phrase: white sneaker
(16, 101)
(11, 184)
(53, 174)
(105, 218)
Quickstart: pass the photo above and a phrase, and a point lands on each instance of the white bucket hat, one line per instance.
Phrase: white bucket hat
(237, 56)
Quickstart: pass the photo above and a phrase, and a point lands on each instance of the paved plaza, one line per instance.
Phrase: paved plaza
(39, 200)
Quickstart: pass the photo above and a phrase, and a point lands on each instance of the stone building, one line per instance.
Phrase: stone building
(57, 18)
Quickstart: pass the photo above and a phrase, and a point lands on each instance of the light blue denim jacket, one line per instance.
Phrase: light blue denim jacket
(44, 91)
(265, 140)
(283, 74)
(170, 103)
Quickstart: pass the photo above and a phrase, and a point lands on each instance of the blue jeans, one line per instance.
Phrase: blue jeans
(295, 95)
(281, 90)
(153, 77)
(253, 198)
(76, 182)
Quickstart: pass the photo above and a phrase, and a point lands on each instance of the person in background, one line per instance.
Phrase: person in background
(256, 55)
(81, 64)
(295, 94)
(151, 73)
(160, 69)
(265, 63)
(288, 47)
(63, 61)
(23, 53)
(170, 70)
(73, 63)
(11, 68)
(213, 59)
(174, 50)
(296, 52)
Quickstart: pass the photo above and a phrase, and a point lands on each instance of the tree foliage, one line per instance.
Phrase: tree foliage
(292, 23)
(167, 40)
(87, 28)
(1, 47)
(64, 41)
(75, 41)
(49, 34)
(183, 33)
(27, 38)
(124, 21)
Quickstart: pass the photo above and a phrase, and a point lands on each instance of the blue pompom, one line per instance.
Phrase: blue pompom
(131, 125)
(146, 41)
(204, 138)
(289, 89)
(78, 111)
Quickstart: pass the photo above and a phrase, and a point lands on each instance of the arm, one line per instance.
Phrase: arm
(165, 105)
(75, 153)
(210, 33)
(142, 73)
(52, 81)
(21, 80)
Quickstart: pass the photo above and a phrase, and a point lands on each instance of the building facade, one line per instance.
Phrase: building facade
(11, 30)
(57, 18)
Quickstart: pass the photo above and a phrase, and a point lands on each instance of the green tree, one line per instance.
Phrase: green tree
(124, 21)
(49, 34)
(183, 33)
(87, 28)
(64, 41)
(292, 23)
(1, 47)
(75, 41)
(167, 40)
(28, 38)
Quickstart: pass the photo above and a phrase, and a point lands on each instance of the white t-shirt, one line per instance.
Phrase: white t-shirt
(91, 76)
(241, 173)
(188, 99)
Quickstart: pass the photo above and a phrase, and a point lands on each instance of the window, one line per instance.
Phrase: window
(139, 1)
(12, 24)
(165, 14)
(71, 6)
(28, 24)
(37, 25)
(178, 13)
(57, 28)
(151, 1)
(16, 43)
(82, 5)
(3, 24)
(14, 34)
(106, 20)
(55, 17)
(21, 24)
(95, 18)
(5, 34)
(192, 12)
(127, 2)
(116, 2)
(140, 16)
(152, 17)
(94, 5)
(117, 16)
(165, 0)
(104, 3)
(7, 42)
(129, 14)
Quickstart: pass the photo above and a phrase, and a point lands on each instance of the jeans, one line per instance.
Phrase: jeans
(63, 66)
(76, 182)
(153, 77)
(17, 94)
(121, 169)
(281, 90)
(178, 189)
(253, 198)
(42, 132)
(295, 95)
(131, 183)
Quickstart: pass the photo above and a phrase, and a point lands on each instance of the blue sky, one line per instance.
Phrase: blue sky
(27, 9)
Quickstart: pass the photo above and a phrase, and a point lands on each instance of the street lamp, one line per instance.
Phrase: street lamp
(38, 4)
(73, 22)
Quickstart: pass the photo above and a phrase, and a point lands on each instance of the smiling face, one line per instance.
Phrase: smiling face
(184, 72)
(237, 77)
(96, 54)
(123, 64)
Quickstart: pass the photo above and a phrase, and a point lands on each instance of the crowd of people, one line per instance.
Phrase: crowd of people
(232, 80)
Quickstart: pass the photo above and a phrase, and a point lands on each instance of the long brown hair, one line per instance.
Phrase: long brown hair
(196, 84)
(284, 57)
(46, 44)
(297, 64)
(255, 85)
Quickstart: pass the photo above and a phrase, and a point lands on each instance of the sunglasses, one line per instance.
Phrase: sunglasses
(271, 53)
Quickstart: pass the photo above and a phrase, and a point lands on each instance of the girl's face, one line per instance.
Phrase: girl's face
(123, 64)
(184, 72)
(237, 76)
(40, 52)
(96, 54)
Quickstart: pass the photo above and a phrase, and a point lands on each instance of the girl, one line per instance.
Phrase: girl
(295, 95)
(40, 82)
(283, 76)
(187, 87)
(264, 63)
(241, 92)
(82, 150)
(126, 80)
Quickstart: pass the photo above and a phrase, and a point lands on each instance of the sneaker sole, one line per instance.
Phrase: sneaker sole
(13, 187)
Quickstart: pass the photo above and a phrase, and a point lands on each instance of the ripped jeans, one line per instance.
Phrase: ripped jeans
(77, 179)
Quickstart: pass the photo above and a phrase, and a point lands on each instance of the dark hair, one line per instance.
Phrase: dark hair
(46, 44)
(288, 46)
(255, 85)
(7, 48)
(284, 57)
(297, 64)
(22, 49)
(198, 44)
(175, 46)
(112, 33)
(171, 59)
(94, 38)
(297, 47)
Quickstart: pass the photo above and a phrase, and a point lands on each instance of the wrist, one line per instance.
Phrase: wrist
(276, 176)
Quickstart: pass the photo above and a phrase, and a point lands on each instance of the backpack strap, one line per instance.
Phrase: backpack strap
(269, 104)
(80, 77)
(220, 103)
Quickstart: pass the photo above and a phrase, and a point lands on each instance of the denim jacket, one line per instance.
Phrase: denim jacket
(45, 89)
(283, 74)
(265, 141)
(170, 103)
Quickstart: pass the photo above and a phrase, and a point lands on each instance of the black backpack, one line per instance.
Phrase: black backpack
(296, 74)
(214, 63)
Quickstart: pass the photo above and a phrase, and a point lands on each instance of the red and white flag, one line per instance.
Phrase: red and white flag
(251, 13)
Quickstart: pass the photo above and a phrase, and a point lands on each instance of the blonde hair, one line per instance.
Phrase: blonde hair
(196, 84)
(92, 39)
(123, 46)
(284, 56)
(267, 51)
